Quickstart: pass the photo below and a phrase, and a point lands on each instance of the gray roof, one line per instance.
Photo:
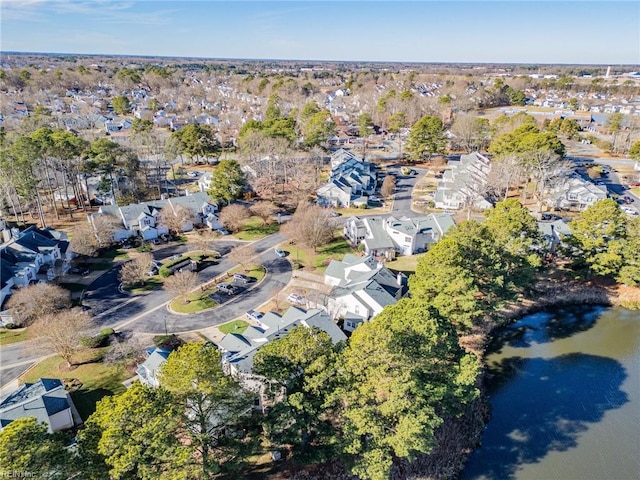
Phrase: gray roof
(41, 399)
(279, 326)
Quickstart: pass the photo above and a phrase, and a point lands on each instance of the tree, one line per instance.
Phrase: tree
(51, 299)
(524, 139)
(197, 142)
(26, 448)
(135, 270)
(227, 182)
(634, 151)
(467, 275)
(415, 374)
(426, 138)
(599, 234)
(176, 219)
(515, 231)
(264, 211)
(62, 331)
(397, 121)
(138, 435)
(208, 401)
(242, 255)
(234, 216)
(121, 105)
(318, 129)
(365, 125)
(310, 225)
(630, 271)
(83, 241)
(304, 364)
(388, 185)
(181, 283)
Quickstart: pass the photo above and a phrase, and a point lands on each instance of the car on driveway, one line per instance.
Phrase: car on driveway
(79, 271)
(228, 288)
(296, 299)
(254, 315)
(280, 253)
(241, 278)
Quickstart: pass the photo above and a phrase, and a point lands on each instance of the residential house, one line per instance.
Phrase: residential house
(464, 183)
(362, 287)
(553, 233)
(148, 370)
(144, 219)
(46, 400)
(32, 255)
(574, 193)
(386, 237)
(238, 350)
(350, 180)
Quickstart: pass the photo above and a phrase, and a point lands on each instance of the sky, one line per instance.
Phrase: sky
(517, 31)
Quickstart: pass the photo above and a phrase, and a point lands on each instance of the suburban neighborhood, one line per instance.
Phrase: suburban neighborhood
(264, 266)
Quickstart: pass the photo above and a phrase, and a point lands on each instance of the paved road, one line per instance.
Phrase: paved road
(16, 358)
(148, 313)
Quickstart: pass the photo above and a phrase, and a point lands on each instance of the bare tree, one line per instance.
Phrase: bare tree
(264, 211)
(62, 331)
(242, 255)
(233, 216)
(388, 186)
(30, 303)
(545, 167)
(203, 240)
(84, 241)
(135, 270)
(176, 220)
(310, 225)
(181, 283)
(126, 350)
(506, 173)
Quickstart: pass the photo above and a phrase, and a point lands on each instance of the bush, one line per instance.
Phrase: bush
(11, 326)
(107, 331)
(170, 342)
(362, 206)
(97, 341)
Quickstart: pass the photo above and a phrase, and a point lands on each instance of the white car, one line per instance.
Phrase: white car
(629, 211)
(296, 299)
(254, 315)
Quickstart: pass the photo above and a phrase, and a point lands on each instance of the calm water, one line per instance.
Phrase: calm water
(565, 398)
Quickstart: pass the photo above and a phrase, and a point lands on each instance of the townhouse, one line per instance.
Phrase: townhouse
(464, 183)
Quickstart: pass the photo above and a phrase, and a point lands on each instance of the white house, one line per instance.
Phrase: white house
(463, 183)
(46, 400)
(362, 287)
(350, 179)
(574, 193)
(384, 237)
(148, 370)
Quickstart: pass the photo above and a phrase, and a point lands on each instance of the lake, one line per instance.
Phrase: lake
(564, 390)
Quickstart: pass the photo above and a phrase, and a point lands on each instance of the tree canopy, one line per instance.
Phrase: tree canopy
(227, 181)
(403, 372)
(197, 142)
(426, 138)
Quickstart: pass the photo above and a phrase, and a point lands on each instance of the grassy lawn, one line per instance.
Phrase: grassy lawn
(354, 212)
(256, 271)
(198, 301)
(98, 379)
(237, 326)
(405, 264)
(151, 283)
(635, 191)
(253, 229)
(318, 261)
(115, 254)
(13, 336)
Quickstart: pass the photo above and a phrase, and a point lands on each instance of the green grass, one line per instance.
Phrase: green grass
(318, 261)
(635, 191)
(115, 254)
(13, 336)
(256, 271)
(101, 265)
(237, 326)
(98, 379)
(198, 301)
(253, 229)
(405, 264)
(151, 283)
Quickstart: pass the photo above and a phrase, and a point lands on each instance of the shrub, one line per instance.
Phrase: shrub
(107, 331)
(11, 326)
(362, 206)
(169, 342)
(97, 341)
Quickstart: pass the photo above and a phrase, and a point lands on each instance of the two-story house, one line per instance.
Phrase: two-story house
(386, 237)
(464, 183)
(350, 181)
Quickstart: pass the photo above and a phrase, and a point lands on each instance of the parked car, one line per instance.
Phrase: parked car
(296, 299)
(239, 277)
(334, 214)
(254, 315)
(222, 231)
(228, 288)
(79, 271)
(151, 272)
(280, 253)
(156, 241)
(627, 199)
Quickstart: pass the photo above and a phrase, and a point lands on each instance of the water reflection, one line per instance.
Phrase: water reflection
(550, 401)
